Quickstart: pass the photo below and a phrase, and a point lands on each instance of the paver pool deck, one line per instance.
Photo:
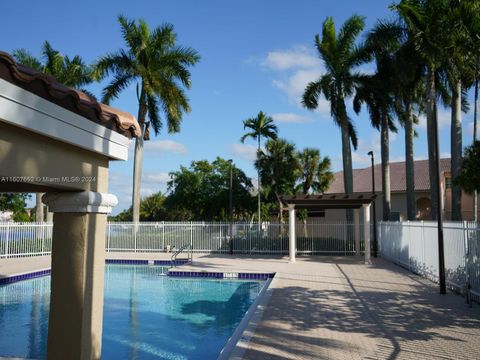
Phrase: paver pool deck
(337, 308)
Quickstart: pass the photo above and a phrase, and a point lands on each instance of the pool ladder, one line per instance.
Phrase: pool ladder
(173, 258)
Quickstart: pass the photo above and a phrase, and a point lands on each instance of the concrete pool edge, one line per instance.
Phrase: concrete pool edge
(238, 342)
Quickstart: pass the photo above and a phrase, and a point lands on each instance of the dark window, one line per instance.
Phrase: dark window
(448, 183)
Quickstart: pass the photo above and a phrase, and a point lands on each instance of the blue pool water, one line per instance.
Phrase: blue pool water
(146, 315)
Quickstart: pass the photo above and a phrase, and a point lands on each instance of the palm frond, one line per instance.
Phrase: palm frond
(311, 95)
(117, 85)
(154, 113)
(23, 57)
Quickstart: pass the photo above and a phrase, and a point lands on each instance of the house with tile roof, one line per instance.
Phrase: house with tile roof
(362, 182)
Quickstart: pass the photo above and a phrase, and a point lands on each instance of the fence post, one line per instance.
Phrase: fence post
(135, 228)
(163, 236)
(467, 263)
(7, 238)
(191, 235)
(43, 237)
(108, 236)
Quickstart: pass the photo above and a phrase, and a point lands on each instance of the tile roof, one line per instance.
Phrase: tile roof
(76, 101)
(362, 178)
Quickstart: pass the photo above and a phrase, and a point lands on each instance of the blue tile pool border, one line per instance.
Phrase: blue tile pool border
(16, 278)
(126, 261)
(171, 273)
(221, 275)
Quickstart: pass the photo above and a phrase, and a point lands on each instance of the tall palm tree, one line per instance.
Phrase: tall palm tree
(71, 72)
(406, 86)
(160, 70)
(278, 168)
(426, 20)
(470, 12)
(259, 126)
(340, 56)
(375, 92)
(315, 174)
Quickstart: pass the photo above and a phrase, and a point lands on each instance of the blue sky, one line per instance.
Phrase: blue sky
(256, 55)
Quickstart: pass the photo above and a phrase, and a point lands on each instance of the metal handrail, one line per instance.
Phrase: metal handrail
(173, 258)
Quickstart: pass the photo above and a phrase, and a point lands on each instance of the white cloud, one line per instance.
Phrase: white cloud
(444, 119)
(290, 118)
(163, 146)
(120, 185)
(244, 151)
(470, 128)
(360, 159)
(294, 85)
(298, 57)
(153, 182)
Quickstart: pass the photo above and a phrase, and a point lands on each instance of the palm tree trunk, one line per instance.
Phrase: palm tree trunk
(347, 170)
(38, 207)
(384, 144)
(475, 114)
(258, 189)
(456, 149)
(431, 110)
(280, 214)
(138, 160)
(409, 163)
(137, 176)
(347, 159)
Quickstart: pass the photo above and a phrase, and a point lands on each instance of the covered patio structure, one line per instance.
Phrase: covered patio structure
(59, 141)
(322, 202)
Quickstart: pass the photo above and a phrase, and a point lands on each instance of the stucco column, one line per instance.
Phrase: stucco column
(78, 261)
(356, 222)
(292, 240)
(366, 232)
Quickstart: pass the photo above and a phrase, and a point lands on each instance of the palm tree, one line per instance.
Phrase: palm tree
(68, 71)
(160, 70)
(426, 20)
(406, 86)
(278, 168)
(259, 126)
(409, 95)
(340, 56)
(315, 174)
(375, 92)
(470, 12)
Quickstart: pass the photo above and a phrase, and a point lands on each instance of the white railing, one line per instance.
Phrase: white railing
(25, 239)
(209, 237)
(414, 245)
(317, 237)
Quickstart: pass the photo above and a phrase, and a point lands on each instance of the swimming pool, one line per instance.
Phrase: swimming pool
(146, 315)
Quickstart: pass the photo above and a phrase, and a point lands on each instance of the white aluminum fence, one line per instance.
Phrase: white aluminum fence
(208, 237)
(30, 239)
(414, 245)
(25, 239)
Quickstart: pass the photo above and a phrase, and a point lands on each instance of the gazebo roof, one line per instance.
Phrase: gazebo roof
(328, 201)
(48, 88)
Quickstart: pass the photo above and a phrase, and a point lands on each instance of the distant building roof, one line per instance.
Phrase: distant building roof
(71, 99)
(362, 178)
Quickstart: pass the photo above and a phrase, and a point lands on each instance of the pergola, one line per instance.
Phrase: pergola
(331, 201)
(59, 141)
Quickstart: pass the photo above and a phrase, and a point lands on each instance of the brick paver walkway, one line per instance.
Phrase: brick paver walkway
(339, 308)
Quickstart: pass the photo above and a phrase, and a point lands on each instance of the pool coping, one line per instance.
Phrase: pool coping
(16, 277)
(237, 343)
